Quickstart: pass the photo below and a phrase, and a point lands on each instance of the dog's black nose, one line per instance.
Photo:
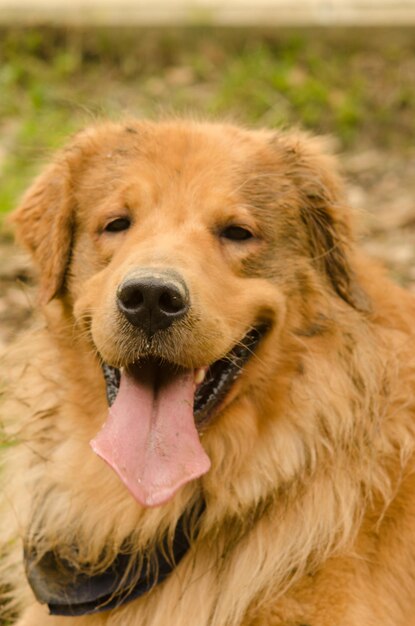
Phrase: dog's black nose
(153, 301)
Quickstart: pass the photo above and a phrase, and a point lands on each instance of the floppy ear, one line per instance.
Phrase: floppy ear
(43, 224)
(328, 245)
(327, 220)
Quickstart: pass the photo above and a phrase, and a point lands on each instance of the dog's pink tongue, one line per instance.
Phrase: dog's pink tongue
(150, 438)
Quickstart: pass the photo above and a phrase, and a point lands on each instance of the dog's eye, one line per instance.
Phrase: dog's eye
(117, 225)
(236, 233)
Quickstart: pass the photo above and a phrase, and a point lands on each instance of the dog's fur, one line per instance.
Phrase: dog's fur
(310, 499)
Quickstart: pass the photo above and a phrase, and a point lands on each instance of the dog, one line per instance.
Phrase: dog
(215, 424)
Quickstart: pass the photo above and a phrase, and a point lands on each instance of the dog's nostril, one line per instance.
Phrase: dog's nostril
(171, 301)
(133, 299)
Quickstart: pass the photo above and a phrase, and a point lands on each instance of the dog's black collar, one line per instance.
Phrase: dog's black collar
(69, 591)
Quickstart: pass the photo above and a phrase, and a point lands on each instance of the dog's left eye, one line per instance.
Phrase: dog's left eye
(236, 233)
(117, 225)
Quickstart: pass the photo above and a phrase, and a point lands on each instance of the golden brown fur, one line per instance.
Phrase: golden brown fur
(310, 500)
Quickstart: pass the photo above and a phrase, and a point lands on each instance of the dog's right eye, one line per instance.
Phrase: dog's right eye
(236, 233)
(117, 225)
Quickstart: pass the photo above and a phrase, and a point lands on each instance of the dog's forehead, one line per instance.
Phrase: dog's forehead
(209, 162)
(175, 150)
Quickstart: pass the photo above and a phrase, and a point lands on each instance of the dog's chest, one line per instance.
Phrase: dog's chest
(323, 599)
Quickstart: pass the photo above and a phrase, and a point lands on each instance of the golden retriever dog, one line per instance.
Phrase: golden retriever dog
(215, 425)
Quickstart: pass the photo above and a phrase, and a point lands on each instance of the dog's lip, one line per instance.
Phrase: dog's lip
(221, 375)
(213, 382)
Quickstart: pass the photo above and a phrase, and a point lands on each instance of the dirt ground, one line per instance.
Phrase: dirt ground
(381, 186)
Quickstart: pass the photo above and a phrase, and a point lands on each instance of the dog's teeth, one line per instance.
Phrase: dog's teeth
(200, 375)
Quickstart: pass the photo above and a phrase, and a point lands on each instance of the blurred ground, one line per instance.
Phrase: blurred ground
(358, 87)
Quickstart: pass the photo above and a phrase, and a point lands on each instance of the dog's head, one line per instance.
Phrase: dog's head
(186, 251)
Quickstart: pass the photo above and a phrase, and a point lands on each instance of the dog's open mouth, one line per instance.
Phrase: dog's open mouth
(151, 436)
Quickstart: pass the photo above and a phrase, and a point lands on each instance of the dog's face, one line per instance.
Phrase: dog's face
(185, 251)
(166, 227)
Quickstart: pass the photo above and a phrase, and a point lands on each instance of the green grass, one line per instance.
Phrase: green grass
(52, 82)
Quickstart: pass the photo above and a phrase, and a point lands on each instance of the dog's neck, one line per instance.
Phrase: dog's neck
(69, 589)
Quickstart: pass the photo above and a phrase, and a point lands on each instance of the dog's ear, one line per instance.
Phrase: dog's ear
(43, 223)
(328, 241)
(327, 219)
